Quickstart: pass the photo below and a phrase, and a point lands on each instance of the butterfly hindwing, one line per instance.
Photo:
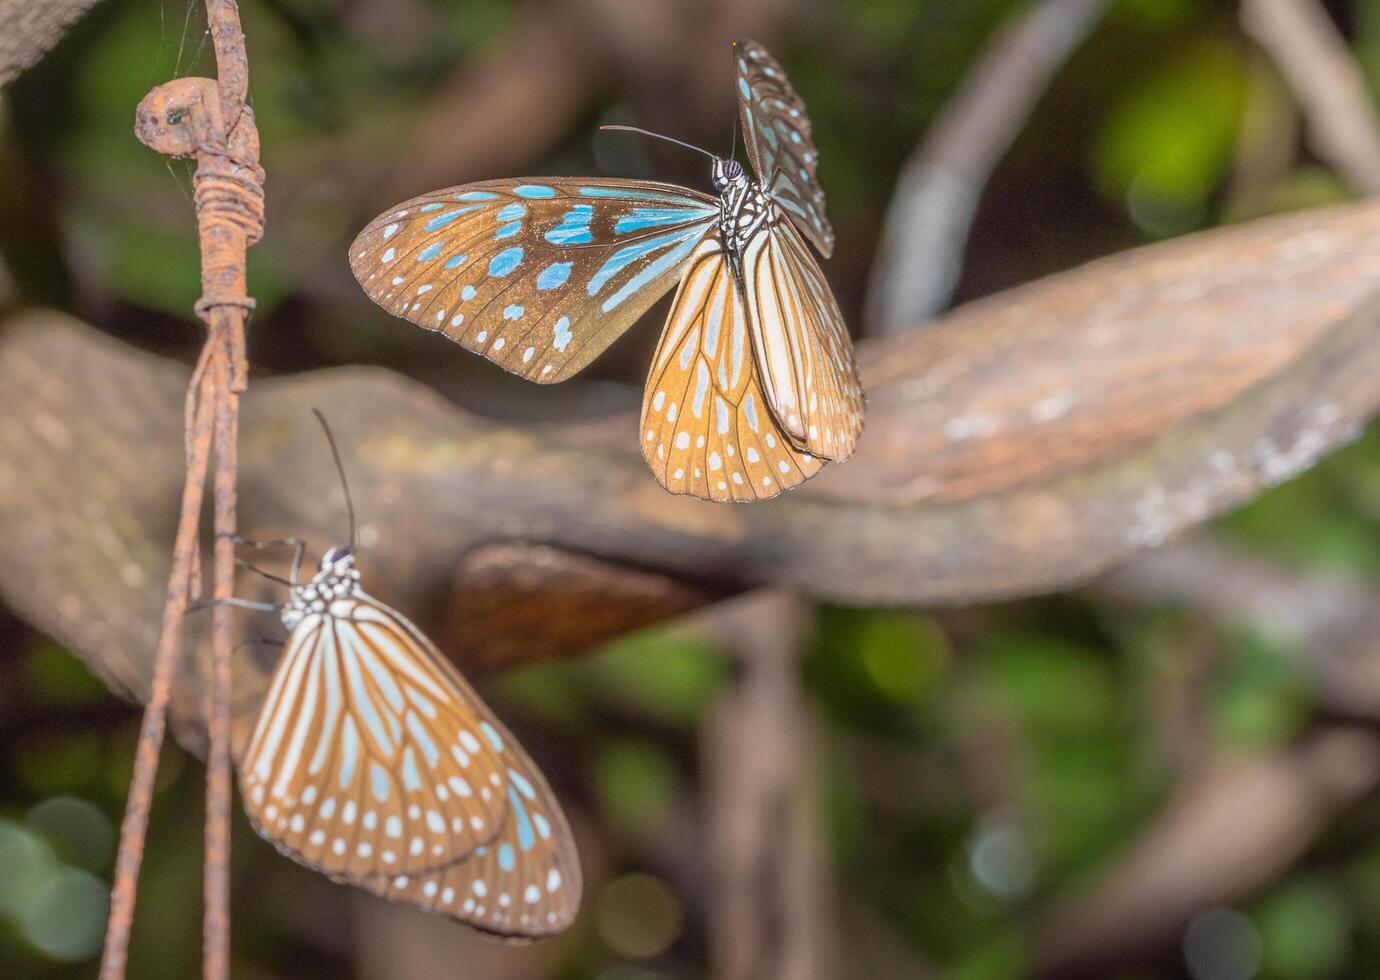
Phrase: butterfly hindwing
(370, 753)
(539, 275)
(776, 131)
(524, 884)
(707, 429)
(804, 353)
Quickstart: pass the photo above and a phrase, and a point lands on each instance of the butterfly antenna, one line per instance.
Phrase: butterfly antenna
(339, 468)
(668, 139)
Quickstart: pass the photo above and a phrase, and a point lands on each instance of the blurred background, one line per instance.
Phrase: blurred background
(968, 771)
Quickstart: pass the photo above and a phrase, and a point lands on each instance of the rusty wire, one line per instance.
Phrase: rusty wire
(209, 122)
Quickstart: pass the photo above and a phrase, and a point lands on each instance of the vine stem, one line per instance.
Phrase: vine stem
(210, 122)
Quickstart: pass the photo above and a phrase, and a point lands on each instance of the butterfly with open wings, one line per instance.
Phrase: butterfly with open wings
(753, 387)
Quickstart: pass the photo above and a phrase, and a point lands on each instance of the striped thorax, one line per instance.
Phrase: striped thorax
(332, 591)
(743, 206)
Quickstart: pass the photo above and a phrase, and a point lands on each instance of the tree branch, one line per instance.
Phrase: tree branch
(1315, 60)
(208, 121)
(1231, 831)
(937, 193)
(1329, 624)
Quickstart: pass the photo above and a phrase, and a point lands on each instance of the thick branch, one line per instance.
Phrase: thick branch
(937, 192)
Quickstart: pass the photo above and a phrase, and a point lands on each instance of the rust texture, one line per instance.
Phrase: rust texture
(209, 122)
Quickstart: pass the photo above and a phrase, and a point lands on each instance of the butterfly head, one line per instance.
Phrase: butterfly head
(728, 173)
(337, 561)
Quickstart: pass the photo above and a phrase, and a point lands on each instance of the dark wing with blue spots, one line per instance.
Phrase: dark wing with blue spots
(539, 275)
(777, 133)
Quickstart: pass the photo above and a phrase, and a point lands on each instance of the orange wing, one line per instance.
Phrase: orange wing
(524, 884)
(370, 753)
(707, 429)
(804, 353)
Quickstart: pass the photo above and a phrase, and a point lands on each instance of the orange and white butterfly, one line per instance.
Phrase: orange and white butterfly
(753, 387)
(373, 761)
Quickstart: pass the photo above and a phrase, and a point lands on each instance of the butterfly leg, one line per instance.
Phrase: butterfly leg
(232, 601)
(298, 547)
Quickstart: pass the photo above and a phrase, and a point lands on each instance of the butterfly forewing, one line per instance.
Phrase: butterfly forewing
(524, 884)
(804, 353)
(706, 427)
(371, 753)
(538, 275)
(776, 131)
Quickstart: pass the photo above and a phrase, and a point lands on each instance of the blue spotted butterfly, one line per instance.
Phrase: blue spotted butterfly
(753, 387)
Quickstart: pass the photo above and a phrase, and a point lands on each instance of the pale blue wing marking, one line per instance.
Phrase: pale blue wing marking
(506, 261)
(672, 258)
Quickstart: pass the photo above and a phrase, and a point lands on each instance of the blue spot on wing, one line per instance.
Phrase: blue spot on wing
(508, 230)
(490, 732)
(629, 254)
(455, 261)
(543, 827)
(434, 206)
(524, 787)
(631, 193)
(430, 252)
(476, 196)
(743, 87)
(506, 859)
(562, 336)
(554, 275)
(441, 220)
(639, 218)
(512, 312)
(574, 226)
(673, 257)
(510, 211)
(505, 261)
(526, 839)
(534, 190)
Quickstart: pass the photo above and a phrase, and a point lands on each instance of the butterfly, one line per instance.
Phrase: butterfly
(373, 761)
(753, 387)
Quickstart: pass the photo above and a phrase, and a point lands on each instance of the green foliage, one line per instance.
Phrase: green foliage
(664, 675)
(1306, 930)
(1167, 146)
(635, 781)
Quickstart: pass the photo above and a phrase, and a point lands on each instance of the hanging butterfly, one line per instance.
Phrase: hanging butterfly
(753, 387)
(373, 761)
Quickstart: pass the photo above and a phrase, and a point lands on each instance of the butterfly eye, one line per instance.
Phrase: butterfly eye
(333, 556)
(733, 169)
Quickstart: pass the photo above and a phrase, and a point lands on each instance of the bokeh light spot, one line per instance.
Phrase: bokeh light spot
(637, 916)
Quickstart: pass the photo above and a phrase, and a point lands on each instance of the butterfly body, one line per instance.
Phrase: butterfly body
(744, 207)
(753, 388)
